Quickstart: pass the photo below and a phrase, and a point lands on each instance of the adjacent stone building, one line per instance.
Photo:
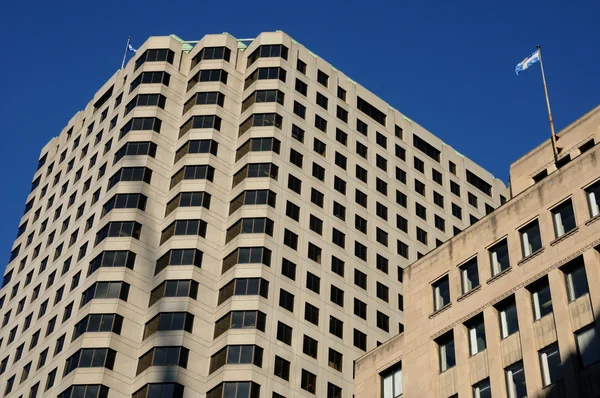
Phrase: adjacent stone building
(509, 307)
(224, 219)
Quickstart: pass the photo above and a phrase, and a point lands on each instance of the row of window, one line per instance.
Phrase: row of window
(563, 217)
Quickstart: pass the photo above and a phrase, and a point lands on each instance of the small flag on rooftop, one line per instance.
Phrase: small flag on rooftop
(527, 62)
(128, 49)
(534, 58)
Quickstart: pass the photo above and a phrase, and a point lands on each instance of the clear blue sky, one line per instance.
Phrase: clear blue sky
(448, 65)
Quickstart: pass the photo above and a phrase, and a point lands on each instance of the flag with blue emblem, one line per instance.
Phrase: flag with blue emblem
(131, 49)
(527, 62)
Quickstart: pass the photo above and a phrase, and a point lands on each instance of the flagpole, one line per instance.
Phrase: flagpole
(126, 49)
(554, 147)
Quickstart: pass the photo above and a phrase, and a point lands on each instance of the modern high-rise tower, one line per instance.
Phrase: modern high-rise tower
(225, 218)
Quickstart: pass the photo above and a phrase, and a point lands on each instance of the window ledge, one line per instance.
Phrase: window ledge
(532, 255)
(498, 276)
(444, 308)
(593, 219)
(470, 292)
(565, 236)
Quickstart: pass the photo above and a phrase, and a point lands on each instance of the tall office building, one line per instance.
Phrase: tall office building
(508, 308)
(224, 220)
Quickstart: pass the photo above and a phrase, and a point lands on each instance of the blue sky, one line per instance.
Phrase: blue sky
(448, 65)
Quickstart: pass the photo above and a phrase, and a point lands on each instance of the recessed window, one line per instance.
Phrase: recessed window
(362, 127)
(509, 322)
(292, 211)
(383, 292)
(299, 109)
(301, 87)
(419, 164)
(284, 333)
(311, 313)
(322, 100)
(576, 279)
(541, 299)
(360, 340)
(297, 133)
(469, 276)
(515, 381)
(290, 239)
(476, 328)
(391, 382)
(499, 258)
(588, 345)
(286, 300)
(531, 240)
(593, 196)
(383, 321)
(472, 199)
(550, 364)
(314, 252)
(308, 381)
(301, 66)
(322, 77)
(441, 293)
(281, 368)
(421, 235)
(341, 137)
(310, 346)
(445, 345)
(360, 279)
(457, 211)
(564, 218)
(482, 389)
(421, 211)
(321, 123)
(336, 327)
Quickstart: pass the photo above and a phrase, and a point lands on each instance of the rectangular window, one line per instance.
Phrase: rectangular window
(299, 109)
(310, 346)
(564, 218)
(322, 77)
(476, 328)
(341, 137)
(297, 133)
(576, 278)
(441, 293)
(531, 240)
(426, 148)
(515, 381)
(322, 100)
(311, 314)
(342, 114)
(286, 300)
(593, 196)
(360, 279)
(360, 340)
(509, 323)
(446, 351)
(499, 258)
(588, 345)
(550, 364)
(316, 197)
(541, 299)
(301, 66)
(469, 276)
(421, 235)
(308, 381)
(284, 333)
(362, 127)
(321, 123)
(391, 382)
(301, 87)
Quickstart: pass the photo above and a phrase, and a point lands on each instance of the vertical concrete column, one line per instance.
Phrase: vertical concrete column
(463, 373)
(564, 332)
(494, 352)
(531, 362)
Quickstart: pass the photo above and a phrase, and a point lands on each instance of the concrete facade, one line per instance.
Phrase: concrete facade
(77, 234)
(541, 301)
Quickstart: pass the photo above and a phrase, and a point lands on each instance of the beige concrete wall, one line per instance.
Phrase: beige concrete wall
(418, 350)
